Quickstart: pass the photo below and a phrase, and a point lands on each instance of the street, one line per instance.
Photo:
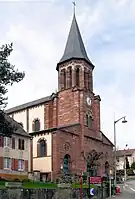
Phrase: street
(128, 190)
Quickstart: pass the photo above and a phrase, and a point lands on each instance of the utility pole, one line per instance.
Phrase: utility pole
(115, 162)
(125, 166)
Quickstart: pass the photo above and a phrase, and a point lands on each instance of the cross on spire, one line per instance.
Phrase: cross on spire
(74, 4)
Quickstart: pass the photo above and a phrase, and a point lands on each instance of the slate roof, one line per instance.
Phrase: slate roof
(127, 152)
(28, 105)
(74, 46)
(16, 126)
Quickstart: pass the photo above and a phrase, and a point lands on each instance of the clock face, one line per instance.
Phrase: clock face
(88, 101)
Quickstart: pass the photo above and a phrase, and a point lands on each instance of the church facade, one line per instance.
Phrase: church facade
(66, 125)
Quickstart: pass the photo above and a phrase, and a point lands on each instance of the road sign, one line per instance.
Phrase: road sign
(92, 191)
(95, 180)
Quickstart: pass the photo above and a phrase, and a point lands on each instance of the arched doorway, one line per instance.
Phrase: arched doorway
(66, 163)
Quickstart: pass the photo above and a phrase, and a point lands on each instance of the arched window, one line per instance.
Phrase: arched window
(36, 125)
(90, 121)
(66, 163)
(77, 77)
(61, 80)
(64, 78)
(90, 81)
(85, 79)
(87, 120)
(70, 77)
(41, 148)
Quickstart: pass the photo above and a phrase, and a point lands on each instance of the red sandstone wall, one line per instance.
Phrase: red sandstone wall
(72, 142)
(68, 107)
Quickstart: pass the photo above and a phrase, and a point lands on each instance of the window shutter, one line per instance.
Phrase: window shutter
(22, 144)
(38, 149)
(13, 164)
(13, 143)
(1, 162)
(16, 164)
(19, 144)
(1, 141)
(26, 165)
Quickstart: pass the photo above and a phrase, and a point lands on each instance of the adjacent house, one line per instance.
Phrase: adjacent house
(121, 154)
(15, 153)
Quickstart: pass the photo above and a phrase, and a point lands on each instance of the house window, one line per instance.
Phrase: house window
(21, 144)
(13, 143)
(41, 148)
(7, 142)
(21, 165)
(36, 125)
(7, 163)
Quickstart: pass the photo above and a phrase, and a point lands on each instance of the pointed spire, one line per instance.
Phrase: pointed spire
(74, 47)
(74, 4)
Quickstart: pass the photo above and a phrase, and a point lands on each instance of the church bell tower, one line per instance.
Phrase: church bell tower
(71, 72)
(77, 102)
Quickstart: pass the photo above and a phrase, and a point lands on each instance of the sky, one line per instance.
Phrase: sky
(39, 30)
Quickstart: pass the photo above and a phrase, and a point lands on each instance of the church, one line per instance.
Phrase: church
(65, 126)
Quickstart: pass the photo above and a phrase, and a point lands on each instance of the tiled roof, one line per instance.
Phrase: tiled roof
(74, 46)
(28, 105)
(16, 126)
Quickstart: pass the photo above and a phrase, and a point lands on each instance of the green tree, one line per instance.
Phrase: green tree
(92, 160)
(8, 76)
(6, 128)
(133, 165)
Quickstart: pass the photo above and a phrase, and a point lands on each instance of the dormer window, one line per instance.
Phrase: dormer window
(21, 124)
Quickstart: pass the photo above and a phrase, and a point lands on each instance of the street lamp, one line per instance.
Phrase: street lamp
(61, 166)
(116, 121)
